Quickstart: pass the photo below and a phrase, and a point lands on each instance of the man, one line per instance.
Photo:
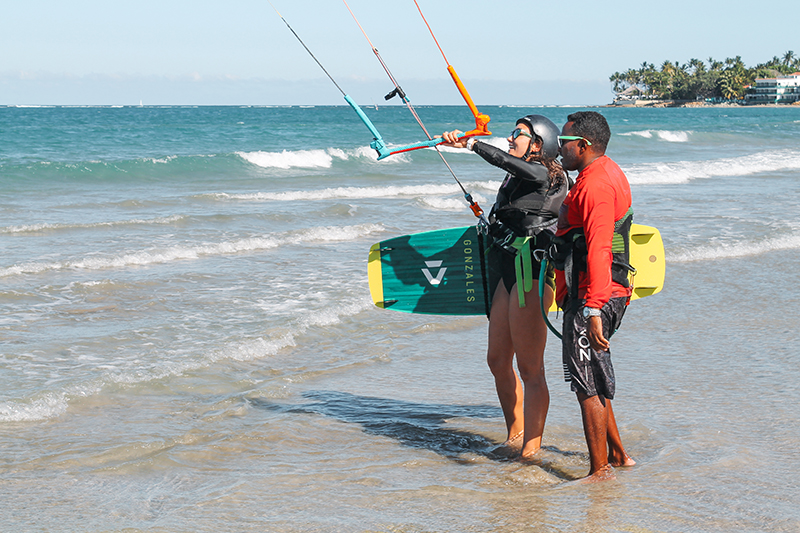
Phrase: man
(594, 298)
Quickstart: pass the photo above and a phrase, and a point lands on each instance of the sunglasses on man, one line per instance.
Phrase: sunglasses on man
(567, 138)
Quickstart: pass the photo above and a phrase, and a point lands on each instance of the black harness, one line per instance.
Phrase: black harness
(568, 252)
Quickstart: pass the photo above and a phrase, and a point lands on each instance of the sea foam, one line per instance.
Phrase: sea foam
(732, 250)
(41, 408)
(37, 228)
(265, 347)
(661, 135)
(447, 186)
(178, 253)
(448, 204)
(685, 171)
(344, 193)
(55, 403)
(288, 159)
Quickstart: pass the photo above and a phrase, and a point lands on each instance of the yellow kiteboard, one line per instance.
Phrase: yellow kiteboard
(442, 272)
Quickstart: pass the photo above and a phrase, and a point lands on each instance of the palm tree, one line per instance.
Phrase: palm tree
(697, 79)
(698, 66)
(713, 64)
(728, 85)
(616, 80)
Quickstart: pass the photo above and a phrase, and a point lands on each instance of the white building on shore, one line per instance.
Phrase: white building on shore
(780, 90)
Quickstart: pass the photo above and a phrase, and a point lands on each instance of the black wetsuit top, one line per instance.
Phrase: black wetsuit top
(526, 201)
(526, 205)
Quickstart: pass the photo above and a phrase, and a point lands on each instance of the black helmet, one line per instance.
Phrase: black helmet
(546, 130)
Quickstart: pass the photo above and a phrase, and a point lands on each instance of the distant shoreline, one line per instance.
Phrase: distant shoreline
(692, 103)
(627, 104)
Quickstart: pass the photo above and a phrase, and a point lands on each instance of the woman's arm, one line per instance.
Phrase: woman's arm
(499, 158)
(514, 165)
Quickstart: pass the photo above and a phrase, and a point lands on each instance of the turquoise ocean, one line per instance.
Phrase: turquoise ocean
(187, 341)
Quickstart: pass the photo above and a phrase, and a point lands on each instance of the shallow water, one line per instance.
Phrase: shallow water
(188, 342)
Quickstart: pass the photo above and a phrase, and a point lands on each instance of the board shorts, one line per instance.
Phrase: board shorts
(590, 372)
(501, 265)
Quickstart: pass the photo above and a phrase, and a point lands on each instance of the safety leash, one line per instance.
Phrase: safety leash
(542, 273)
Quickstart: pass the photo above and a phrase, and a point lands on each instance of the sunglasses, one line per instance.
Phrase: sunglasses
(517, 132)
(566, 138)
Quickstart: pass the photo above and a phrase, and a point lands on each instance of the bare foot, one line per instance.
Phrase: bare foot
(511, 447)
(529, 452)
(529, 459)
(626, 461)
(604, 474)
(514, 442)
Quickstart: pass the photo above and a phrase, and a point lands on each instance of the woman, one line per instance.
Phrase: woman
(522, 220)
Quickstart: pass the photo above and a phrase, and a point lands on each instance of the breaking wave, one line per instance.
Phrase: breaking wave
(36, 228)
(732, 250)
(685, 171)
(287, 159)
(661, 135)
(55, 403)
(354, 193)
(179, 253)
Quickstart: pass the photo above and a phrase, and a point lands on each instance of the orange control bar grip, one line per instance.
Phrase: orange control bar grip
(481, 120)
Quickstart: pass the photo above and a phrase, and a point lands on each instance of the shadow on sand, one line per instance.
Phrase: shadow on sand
(413, 424)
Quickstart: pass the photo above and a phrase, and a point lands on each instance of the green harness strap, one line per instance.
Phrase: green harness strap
(523, 267)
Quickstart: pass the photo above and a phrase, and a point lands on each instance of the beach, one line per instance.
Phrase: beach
(189, 344)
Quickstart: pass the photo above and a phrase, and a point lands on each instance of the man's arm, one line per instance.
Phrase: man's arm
(598, 213)
(598, 222)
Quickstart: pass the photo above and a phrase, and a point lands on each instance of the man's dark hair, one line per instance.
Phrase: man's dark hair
(591, 125)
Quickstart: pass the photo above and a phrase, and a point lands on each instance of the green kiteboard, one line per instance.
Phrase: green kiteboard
(442, 272)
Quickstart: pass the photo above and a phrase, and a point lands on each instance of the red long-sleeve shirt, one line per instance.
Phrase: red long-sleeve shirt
(601, 195)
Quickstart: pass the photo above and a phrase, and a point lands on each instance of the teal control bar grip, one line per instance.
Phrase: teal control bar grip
(377, 144)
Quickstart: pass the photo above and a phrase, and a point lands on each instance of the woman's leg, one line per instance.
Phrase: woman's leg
(529, 335)
(500, 357)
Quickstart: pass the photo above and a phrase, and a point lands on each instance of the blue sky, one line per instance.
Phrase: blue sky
(85, 52)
